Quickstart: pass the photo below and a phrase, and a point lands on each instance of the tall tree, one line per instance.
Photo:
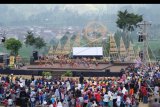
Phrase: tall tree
(107, 47)
(54, 42)
(128, 22)
(13, 45)
(117, 37)
(30, 39)
(63, 41)
(39, 43)
(73, 39)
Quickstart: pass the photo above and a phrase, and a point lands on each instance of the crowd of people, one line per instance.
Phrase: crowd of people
(76, 62)
(137, 84)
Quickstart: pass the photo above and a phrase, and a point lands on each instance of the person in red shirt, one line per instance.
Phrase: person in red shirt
(98, 96)
(125, 97)
(78, 104)
(145, 95)
(89, 94)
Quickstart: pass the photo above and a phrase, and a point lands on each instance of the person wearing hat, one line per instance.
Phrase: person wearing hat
(53, 100)
(54, 97)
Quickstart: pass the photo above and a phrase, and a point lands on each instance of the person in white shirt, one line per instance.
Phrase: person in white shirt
(156, 92)
(128, 101)
(110, 103)
(51, 105)
(57, 93)
(10, 102)
(114, 99)
(118, 100)
(110, 93)
(33, 98)
(124, 90)
(68, 85)
(59, 104)
(94, 104)
(65, 103)
(105, 99)
(156, 88)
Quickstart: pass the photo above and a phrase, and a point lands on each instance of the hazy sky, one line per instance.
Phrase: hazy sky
(81, 8)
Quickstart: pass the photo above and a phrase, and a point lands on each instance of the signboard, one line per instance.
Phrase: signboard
(87, 51)
(12, 59)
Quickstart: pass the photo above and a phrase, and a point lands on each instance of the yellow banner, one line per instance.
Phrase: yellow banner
(12, 58)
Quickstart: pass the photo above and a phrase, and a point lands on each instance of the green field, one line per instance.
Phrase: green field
(24, 52)
(153, 44)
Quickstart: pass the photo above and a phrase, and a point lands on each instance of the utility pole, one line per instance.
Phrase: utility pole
(144, 25)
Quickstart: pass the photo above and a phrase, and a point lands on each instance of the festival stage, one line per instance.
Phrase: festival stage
(103, 70)
(81, 67)
(68, 67)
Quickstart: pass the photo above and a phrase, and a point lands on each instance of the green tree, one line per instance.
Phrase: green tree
(39, 43)
(67, 33)
(63, 41)
(30, 39)
(34, 42)
(128, 22)
(72, 39)
(13, 45)
(117, 37)
(54, 42)
(68, 73)
(107, 47)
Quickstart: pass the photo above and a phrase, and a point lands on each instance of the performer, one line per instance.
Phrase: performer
(96, 63)
(60, 63)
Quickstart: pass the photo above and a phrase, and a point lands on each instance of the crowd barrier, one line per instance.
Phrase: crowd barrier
(97, 74)
(21, 72)
(121, 63)
(75, 73)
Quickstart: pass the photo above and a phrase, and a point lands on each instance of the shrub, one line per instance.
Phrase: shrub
(46, 74)
(68, 73)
